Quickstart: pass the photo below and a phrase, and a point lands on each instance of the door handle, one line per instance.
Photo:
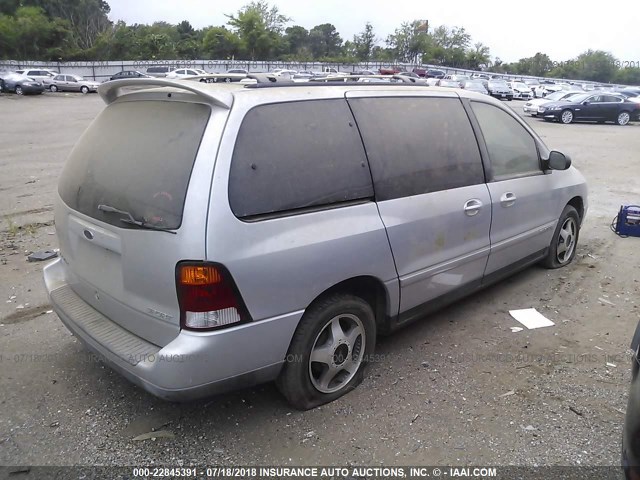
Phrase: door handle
(508, 199)
(472, 207)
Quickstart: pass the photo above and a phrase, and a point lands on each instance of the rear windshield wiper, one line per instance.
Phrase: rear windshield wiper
(132, 221)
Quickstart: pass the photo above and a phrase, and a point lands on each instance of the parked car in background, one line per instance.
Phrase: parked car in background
(409, 74)
(19, 84)
(435, 74)
(242, 71)
(433, 81)
(499, 88)
(532, 84)
(389, 70)
(545, 89)
(475, 86)
(632, 95)
(185, 72)
(421, 72)
(284, 72)
(158, 228)
(598, 107)
(41, 75)
(444, 82)
(73, 83)
(159, 71)
(364, 72)
(129, 74)
(521, 91)
(531, 107)
(458, 78)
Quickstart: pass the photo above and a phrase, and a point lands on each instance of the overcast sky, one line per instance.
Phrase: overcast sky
(512, 29)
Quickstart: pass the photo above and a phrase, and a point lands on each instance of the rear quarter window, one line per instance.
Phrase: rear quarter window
(295, 155)
(137, 157)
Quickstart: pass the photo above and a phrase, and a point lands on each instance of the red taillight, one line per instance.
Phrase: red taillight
(207, 296)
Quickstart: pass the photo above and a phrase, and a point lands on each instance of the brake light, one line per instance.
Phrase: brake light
(208, 297)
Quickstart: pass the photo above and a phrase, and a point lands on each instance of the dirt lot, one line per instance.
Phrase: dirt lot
(456, 388)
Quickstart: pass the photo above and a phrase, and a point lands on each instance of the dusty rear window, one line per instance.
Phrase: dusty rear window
(137, 157)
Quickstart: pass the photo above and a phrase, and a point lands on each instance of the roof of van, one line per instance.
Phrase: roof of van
(222, 94)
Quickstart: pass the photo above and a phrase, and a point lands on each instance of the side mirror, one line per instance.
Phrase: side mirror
(586, 102)
(558, 161)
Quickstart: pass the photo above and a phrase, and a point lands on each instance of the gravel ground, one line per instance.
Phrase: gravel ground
(456, 388)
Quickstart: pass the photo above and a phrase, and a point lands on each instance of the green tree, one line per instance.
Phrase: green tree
(409, 41)
(296, 39)
(185, 30)
(325, 41)
(220, 43)
(9, 7)
(31, 35)
(449, 46)
(364, 42)
(259, 27)
(627, 76)
(478, 57)
(86, 18)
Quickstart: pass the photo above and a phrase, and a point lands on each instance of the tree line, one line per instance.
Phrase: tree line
(73, 30)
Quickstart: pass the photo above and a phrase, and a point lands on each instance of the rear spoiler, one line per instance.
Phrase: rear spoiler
(111, 90)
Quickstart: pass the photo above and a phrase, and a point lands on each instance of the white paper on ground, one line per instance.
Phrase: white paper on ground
(516, 329)
(531, 318)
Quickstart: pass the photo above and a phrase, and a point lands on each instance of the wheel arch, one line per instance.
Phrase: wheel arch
(578, 204)
(371, 289)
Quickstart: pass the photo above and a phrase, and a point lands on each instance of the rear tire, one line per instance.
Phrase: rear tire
(19, 90)
(562, 249)
(340, 332)
(623, 118)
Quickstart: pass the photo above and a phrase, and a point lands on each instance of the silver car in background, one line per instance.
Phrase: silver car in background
(212, 237)
(72, 83)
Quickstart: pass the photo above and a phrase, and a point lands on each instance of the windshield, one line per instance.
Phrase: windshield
(555, 96)
(136, 157)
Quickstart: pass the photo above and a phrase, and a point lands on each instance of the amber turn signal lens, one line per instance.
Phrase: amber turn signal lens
(199, 275)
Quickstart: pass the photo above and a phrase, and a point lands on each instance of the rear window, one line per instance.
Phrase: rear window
(296, 155)
(137, 157)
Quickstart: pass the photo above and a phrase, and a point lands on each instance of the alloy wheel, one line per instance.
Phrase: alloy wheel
(337, 353)
(566, 240)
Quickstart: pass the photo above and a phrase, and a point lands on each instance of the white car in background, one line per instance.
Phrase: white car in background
(42, 75)
(521, 90)
(531, 107)
(284, 72)
(185, 72)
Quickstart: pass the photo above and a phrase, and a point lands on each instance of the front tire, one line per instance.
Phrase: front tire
(562, 249)
(566, 117)
(623, 118)
(19, 90)
(53, 88)
(329, 351)
(84, 89)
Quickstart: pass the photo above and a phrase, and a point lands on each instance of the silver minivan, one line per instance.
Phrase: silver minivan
(217, 236)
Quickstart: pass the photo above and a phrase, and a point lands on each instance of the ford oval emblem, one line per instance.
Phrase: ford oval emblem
(88, 234)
